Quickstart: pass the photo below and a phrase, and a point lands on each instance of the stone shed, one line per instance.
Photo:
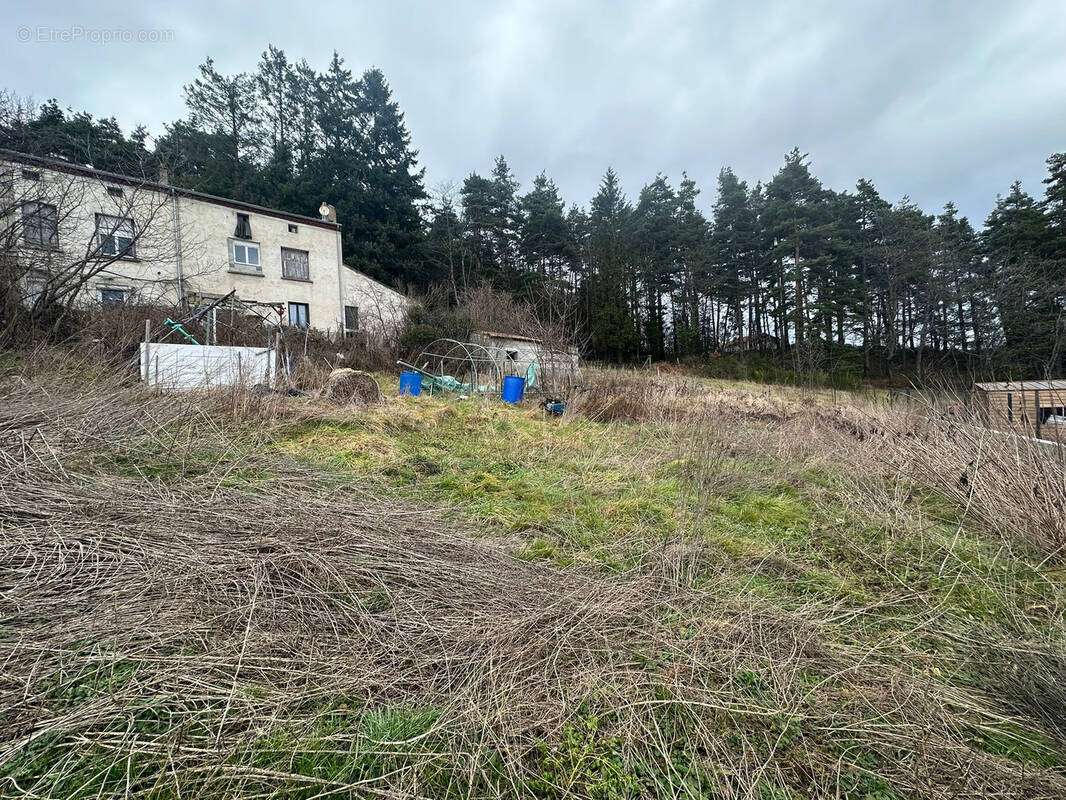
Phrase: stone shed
(552, 370)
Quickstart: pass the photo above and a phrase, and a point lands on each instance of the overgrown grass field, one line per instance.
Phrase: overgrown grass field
(680, 588)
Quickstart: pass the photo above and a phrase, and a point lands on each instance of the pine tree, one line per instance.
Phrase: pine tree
(502, 218)
(691, 258)
(477, 202)
(1015, 237)
(303, 88)
(870, 208)
(226, 108)
(795, 215)
(733, 250)
(835, 278)
(274, 80)
(384, 236)
(654, 229)
(545, 241)
(610, 287)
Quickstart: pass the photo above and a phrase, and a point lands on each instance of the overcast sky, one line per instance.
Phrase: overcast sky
(937, 99)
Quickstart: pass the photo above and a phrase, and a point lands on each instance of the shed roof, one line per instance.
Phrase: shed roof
(516, 337)
(1021, 386)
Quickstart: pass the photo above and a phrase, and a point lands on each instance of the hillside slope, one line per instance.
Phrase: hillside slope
(677, 590)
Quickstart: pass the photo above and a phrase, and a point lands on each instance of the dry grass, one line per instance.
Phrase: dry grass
(250, 626)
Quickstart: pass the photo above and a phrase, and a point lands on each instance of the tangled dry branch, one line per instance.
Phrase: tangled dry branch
(200, 637)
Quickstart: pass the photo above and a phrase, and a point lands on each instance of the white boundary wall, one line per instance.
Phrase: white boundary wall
(193, 366)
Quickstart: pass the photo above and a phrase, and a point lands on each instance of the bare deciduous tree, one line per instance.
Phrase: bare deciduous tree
(62, 232)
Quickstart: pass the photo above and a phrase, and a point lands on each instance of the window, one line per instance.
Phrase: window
(246, 255)
(40, 224)
(114, 236)
(294, 264)
(351, 318)
(293, 229)
(512, 355)
(112, 297)
(31, 174)
(1052, 415)
(32, 288)
(299, 315)
(114, 192)
(244, 227)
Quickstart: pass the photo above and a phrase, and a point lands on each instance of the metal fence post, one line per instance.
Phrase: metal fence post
(1036, 404)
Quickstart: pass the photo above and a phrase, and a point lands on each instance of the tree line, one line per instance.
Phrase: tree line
(787, 267)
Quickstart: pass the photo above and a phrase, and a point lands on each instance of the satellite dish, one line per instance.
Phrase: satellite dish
(323, 210)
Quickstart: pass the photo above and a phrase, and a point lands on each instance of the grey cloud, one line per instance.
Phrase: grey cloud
(941, 101)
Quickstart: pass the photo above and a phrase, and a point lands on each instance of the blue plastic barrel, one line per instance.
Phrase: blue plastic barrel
(410, 383)
(513, 389)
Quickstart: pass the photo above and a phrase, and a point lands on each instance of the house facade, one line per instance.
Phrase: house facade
(123, 240)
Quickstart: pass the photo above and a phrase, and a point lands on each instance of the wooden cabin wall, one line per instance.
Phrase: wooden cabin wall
(1018, 410)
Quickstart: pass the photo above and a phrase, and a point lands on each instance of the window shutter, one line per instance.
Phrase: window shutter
(295, 264)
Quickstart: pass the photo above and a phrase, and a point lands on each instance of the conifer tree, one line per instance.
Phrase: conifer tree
(384, 235)
(275, 83)
(502, 218)
(226, 108)
(733, 249)
(610, 287)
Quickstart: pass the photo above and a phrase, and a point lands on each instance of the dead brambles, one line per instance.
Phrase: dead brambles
(189, 611)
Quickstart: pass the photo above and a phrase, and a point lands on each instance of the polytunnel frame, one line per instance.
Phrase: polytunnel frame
(467, 362)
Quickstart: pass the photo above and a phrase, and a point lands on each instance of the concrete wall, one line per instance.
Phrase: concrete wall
(382, 310)
(184, 249)
(193, 366)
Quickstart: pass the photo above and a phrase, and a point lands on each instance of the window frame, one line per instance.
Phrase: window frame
(128, 253)
(53, 231)
(125, 296)
(246, 219)
(1048, 412)
(354, 313)
(245, 267)
(307, 265)
(306, 314)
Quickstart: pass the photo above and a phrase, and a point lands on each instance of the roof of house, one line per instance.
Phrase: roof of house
(1021, 386)
(143, 183)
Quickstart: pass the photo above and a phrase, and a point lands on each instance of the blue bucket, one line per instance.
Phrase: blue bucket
(410, 383)
(513, 389)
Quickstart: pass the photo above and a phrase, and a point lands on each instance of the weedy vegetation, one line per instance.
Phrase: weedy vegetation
(681, 588)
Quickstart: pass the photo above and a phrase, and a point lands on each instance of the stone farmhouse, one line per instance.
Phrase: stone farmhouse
(150, 242)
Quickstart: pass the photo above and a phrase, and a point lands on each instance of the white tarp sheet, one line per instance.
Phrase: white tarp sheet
(192, 366)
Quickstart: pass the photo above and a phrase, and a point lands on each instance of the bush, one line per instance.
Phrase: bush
(763, 368)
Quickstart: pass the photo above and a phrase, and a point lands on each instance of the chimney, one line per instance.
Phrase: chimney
(327, 212)
(163, 174)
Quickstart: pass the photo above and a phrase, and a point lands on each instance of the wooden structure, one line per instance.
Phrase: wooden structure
(1029, 408)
